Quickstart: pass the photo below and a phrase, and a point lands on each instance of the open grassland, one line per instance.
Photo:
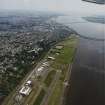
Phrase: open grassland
(63, 62)
(39, 98)
(49, 78)
(56, 95)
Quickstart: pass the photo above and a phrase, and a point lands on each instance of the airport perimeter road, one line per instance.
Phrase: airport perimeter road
(51, 88)
(11, 99)
(87, 82)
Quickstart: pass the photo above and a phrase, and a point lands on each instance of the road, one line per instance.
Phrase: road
(16, 92)
(87, 81)
(51, 89)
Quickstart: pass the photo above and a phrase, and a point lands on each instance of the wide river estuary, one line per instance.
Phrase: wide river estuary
(87, 78)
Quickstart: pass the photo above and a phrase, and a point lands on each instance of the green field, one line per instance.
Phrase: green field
(49, 78)
(56, 96)
(62, 62)
(40, 98)
(66, 53)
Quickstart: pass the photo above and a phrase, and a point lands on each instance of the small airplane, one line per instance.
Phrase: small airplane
(96, 1)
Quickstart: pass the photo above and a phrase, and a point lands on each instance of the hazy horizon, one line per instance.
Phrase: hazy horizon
(49, 5)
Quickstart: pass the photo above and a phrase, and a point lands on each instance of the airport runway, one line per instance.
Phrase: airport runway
(87, 81)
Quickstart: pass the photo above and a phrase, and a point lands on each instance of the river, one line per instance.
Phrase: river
(87, 80)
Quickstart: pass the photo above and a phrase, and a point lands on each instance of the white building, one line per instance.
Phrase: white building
(45, 64)
(26, 90)
(29, 83)
(52, 58)
(39, 71)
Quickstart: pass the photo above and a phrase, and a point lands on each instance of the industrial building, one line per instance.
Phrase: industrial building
(26, 89)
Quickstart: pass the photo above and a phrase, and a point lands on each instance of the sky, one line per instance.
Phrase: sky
(52, 5)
